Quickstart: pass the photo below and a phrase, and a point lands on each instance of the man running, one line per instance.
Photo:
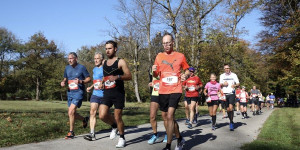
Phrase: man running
(229, 81)
(97, 95)
(115, 72)
(192, 86)
(76, 75)
(254, 95)
(272, 100)
(168, 66)
(153, 110)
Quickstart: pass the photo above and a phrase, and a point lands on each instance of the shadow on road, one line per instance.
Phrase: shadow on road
(196, 138)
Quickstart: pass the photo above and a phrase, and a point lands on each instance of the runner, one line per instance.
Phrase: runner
(153, 110)
(222, 107)
(243, 102)
(272, 100)
(237, 103)
(192, 86)
(229, 81)
(115, 72)
(76, 75)
(260, 101)
(211, 90)
(97, 95)
(268, 101)
(197, 107)
(254, 95)
(168, 66)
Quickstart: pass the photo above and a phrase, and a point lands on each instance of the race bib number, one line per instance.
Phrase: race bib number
(169, 79)
(73, 84)
(191, 88)
(97, 84)
(156, 85)
(108, 84)
(208, 99)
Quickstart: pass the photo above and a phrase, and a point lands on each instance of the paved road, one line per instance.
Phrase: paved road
(200, 137)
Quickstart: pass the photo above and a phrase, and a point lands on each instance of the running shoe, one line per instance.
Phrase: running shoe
(180, 144)
(243, 117)
(190, 126)
(213, 127)
(257, 112)
(238, 113)
(165, 139)
(85, 122)
(187, 121)
(90, 137)
(253, 113)
(166, 148)
(231, 126)
(113, 133)
(195, 119)
(70, 135)
(121, 143)
(153, 139)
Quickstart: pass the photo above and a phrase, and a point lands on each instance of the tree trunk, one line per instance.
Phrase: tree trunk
(37, 96)
(135, 77)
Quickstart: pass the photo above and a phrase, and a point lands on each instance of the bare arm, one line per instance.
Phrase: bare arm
(205, 91)
(127, 74)
(63, 82)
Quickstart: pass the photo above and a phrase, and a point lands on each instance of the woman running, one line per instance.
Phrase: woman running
(211, 91)
(243, 102)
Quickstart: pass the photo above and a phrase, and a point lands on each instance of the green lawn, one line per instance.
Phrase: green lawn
(280, 132)
(34, 121)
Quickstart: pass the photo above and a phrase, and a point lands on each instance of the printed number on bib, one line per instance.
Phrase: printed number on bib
(97, 84)
(208, 99)
(108, 84)
(73, 84)
(191, 88)
(156, 85)
(169, 79)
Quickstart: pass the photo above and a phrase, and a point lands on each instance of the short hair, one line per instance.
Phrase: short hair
(226, 65)
(99, 53)
(115, 44)
(213, 74)
(169, 34)
(73, 53)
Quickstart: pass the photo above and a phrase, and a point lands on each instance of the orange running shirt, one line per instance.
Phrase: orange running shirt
(191, 83)
(169, 68)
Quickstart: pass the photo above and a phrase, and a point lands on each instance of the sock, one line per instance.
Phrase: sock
(246, 114)
(122, 136)
(214, 119)
(92, 131)
(114, 125)
(230, 116)
(180, 138)
(155, 134)
(168, 146)
(243, 114)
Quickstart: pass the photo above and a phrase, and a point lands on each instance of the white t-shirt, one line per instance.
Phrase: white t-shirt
(231, 79)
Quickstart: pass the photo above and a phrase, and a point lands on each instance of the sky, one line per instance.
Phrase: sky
(74, 23)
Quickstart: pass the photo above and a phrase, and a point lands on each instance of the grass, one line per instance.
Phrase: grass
(280, 131)
(24, 122)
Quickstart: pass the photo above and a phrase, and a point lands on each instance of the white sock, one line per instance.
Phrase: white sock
(92, 131)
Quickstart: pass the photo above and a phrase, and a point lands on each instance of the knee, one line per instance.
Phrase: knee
(93, 112)
(170, 117)
(71, 112)
(152, 118)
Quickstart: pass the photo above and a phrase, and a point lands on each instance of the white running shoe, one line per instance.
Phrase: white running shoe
(121, 143)
(180, 144)
(113, 133)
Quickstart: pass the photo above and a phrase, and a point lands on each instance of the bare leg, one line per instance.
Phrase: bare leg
(192, 111)
(165, 118)
(171, 124)
(105, 116)
(153, 113)
(73, 115)
(93, 112)
(119, 121)
(186, 106)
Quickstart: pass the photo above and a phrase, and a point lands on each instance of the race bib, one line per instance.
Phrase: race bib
(73, 84)
(156, 85)
(169, 79)
(208, 99)
(97, 84)
(191, 88)
(108, 84)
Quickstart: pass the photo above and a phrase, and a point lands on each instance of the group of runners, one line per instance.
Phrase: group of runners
(171, 77)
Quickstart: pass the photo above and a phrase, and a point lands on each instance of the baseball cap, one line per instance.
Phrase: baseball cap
(192, 69)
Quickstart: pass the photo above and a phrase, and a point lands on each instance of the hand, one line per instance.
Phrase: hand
(88, 89)
(77, 81)
(101, 86)
(154, 68)
(206, 94)
(185, 87)
(197, 87)
(183, 77)
(225, 83)
(150, 84)
(112, 78)
(63, 83)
